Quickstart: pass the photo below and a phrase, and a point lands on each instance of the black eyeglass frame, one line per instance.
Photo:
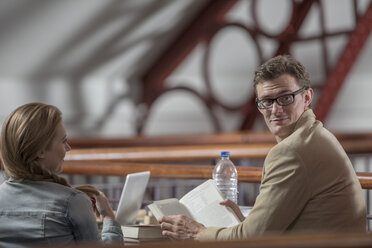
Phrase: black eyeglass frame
(293, 94)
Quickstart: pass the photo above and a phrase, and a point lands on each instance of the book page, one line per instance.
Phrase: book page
(203, 204)
(168, 207)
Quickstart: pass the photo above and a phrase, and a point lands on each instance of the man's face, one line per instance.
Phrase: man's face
(282, 119)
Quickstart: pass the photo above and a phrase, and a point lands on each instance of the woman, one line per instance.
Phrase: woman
(38, 206)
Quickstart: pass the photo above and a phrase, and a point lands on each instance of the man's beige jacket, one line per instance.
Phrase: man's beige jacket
(308, 185)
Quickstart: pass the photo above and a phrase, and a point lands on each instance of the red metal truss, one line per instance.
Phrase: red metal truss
(286, 38)
(177, 51)
(337, 76)
(210, 21)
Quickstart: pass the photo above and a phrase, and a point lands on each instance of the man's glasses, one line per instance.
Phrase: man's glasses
(281, 100)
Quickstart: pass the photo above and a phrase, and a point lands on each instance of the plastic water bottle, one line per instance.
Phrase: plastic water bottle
(226, 177)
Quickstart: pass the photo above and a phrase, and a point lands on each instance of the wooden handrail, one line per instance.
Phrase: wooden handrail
(175, 171)
(246, 137)
(172, 153)
(362, 146)
(304, 240)
(194, 152)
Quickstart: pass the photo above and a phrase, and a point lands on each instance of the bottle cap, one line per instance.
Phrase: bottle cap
(225, 154)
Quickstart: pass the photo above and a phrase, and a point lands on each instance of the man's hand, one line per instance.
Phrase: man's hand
(181, 227)
(234, 207)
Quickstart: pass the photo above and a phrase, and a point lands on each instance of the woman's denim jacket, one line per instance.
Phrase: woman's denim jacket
(40, 212)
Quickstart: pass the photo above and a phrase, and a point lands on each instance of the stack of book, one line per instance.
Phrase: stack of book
(143, 233)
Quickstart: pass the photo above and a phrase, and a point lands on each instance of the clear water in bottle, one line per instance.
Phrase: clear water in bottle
(226, 177)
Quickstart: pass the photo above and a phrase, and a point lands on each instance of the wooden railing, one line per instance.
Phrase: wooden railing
(175, 171)
(163, 160)
(247, 137)
(355, 240)
(194, 152)
(336, 240)
(123, 160)
(170, 153)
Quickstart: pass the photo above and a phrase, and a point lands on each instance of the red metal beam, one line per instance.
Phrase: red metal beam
(181, 47)
(337, 76)
(286, 38)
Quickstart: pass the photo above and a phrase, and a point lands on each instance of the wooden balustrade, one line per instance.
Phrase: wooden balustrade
(121, 161)
(347, 240)
(175, 171)
(246, 137)
(171, 153)
(313, 240)
(195, 152)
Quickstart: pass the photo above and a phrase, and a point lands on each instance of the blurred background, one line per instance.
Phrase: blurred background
(124, 68)
(119, 68)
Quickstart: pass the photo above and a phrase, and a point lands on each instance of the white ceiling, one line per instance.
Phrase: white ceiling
(77, 38)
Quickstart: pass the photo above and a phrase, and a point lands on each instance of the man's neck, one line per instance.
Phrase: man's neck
(279, 138)
(284, 135)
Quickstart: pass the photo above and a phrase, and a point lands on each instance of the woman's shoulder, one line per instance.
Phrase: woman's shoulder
(39, 195)
(62, 189)
(46, 188)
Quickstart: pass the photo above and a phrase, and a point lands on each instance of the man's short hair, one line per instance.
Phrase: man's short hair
(279, 65)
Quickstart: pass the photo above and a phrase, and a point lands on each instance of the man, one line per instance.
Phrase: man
(308, 183)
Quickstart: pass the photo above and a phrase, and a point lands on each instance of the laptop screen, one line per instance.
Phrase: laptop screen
(131, 197)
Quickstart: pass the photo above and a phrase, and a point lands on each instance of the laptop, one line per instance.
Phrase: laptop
(131, 197)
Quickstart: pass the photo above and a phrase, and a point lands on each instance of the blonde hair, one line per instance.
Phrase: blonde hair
(27, 130)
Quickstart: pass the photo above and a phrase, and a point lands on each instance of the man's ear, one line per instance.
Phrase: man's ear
(41, 154)
(308, 97)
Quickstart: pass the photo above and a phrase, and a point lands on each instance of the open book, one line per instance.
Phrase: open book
(200, 204)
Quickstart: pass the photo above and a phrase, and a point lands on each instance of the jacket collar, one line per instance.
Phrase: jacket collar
(307, 117)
